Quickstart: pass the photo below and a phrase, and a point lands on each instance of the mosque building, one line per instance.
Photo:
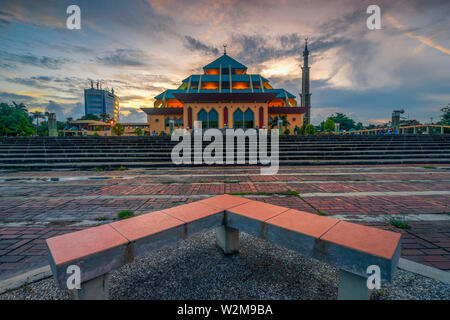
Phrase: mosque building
(226, 96)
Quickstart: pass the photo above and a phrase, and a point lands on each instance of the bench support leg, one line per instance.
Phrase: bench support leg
(352, 286)
(228, 239)
(95, 289)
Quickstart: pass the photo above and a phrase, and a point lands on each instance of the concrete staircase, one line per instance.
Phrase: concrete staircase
(137, 152)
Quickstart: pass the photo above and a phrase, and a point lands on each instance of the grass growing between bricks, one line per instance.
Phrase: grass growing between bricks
(125, 214)
(399, 223)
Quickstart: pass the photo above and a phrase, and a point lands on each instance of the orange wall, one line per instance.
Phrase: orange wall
(231, 108)
(210, 86)
(173, 103)
(157, 122)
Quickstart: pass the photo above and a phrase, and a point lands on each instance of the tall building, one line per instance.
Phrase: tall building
(98, 101)
(306, 95)
(224, 96)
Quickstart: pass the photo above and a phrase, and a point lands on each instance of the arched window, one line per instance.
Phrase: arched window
(238, 119)
(261, 117)
(248, 119)
(225, 116)
(202, 116)
(190, 118)
(213, 119)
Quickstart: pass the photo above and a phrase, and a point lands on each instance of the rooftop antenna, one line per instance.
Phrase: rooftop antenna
(92, 84)
(225, 48)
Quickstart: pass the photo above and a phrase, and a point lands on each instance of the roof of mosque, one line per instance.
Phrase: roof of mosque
(225, 96)
(225, 78)
(225, 61)
(280, 92)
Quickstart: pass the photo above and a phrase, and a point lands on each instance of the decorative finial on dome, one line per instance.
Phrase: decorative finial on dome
(225, 48)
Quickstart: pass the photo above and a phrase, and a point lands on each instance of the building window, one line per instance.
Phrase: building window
(213, 119)
(202, 116)
(243, 119)
(190, 118)
(225, 116)
(209, 119)
(156, 120)
(248, 119)
(261, 117)
(238, 119)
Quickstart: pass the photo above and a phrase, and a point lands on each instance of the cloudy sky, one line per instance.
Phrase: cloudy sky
(141, 48)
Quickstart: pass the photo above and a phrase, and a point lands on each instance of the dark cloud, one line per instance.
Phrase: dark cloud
(124, 57)
(9, 97)
(259, 49)
(5, 19)
(197, 45)
(33, 60)
(69, 85)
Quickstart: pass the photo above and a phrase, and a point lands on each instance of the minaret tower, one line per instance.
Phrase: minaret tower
(305, 95)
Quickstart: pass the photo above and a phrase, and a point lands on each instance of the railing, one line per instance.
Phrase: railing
(400, 130)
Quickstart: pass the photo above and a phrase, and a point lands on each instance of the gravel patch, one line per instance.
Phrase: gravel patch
(197, 269)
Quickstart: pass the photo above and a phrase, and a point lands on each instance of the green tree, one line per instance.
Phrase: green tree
(90, 117)
(42, 129)
(328, 126)
(274, 121)
(105, 117)
(118, 129)
(445, 117)
(14, 120)
(310, 129)
(345, 123)
(138, 131)
(20, 106)
(36, 116)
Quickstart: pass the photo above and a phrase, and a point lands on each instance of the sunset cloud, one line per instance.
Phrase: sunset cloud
(143, 47)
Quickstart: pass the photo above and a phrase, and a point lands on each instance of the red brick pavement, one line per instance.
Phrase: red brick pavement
(24, 248)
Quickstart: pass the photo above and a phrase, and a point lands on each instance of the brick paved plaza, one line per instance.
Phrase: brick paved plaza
(35, 205)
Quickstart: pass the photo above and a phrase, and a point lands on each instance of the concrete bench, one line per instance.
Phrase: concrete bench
(350, 247)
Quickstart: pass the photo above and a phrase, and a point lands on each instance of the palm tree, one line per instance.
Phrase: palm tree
(275, 121)
(20, 106)
(105, 117)
(37, 115)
